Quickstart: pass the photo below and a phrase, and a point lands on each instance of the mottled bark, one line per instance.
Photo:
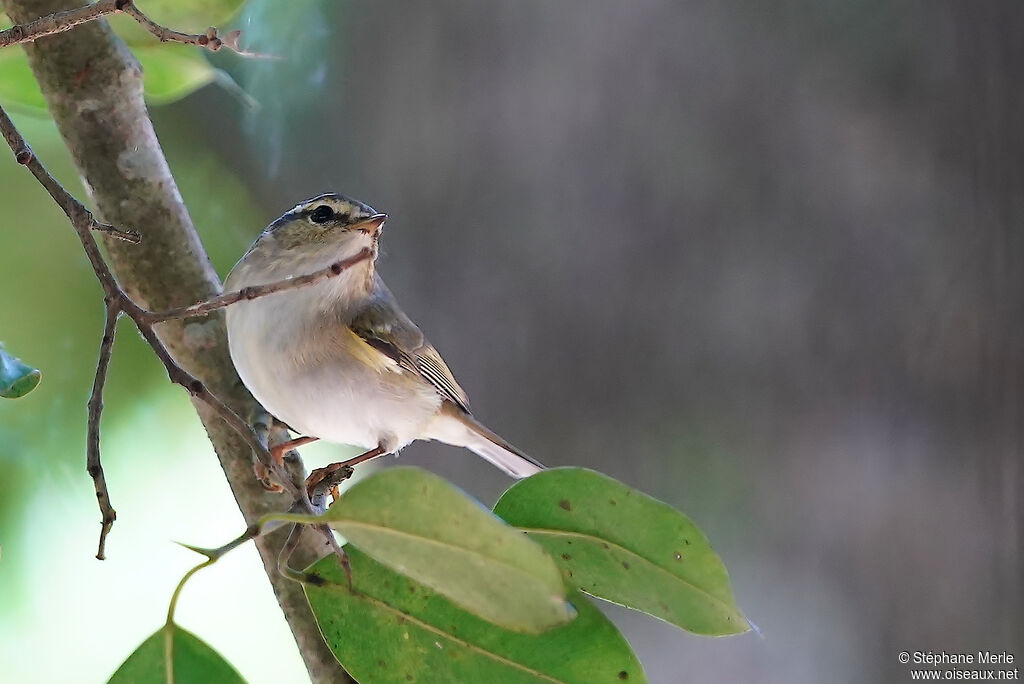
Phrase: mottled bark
(94, 90)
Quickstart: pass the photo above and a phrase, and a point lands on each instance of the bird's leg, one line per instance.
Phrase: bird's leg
(321, 474)
(264, 425)
(278, 450)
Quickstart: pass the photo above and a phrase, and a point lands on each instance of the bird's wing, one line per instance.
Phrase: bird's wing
(383, 326)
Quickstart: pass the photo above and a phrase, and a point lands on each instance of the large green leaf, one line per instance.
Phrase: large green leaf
(392, 630)
(194, 662)
(621, 545)
(422, 526)
(16, 379)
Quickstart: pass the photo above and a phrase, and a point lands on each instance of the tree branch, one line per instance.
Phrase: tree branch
(58, 22)
(93, 464)
(92, 85)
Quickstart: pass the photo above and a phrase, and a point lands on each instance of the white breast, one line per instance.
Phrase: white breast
(315, 375)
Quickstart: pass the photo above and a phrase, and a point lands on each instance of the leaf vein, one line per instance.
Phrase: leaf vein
(579, 535)
(440, 632)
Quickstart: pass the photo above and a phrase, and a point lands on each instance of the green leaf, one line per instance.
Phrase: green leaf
(16, 379)
(18, 87)
(621, 545)
(393, 630)
(170, 72)
(195, 662)
(422, 526)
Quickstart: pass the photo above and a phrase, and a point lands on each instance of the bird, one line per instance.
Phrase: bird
(338, 360)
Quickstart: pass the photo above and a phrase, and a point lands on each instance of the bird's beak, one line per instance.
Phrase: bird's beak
(370, 225)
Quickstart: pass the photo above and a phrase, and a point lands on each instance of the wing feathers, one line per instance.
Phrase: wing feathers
(383, 326)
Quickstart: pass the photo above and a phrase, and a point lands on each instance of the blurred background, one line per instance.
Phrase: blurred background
(761, 261)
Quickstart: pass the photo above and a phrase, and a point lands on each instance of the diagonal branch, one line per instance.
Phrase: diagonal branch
(58, 22)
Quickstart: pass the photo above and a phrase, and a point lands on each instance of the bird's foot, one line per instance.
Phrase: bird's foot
(323, 481)
(263, 477)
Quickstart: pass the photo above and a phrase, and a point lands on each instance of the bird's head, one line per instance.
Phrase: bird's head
(313, 235)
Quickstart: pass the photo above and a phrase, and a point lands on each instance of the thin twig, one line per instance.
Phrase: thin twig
(292, 543)
(125, 235)
(289, 548)
(209, 40)
(93, 464)
(257, 291)
(58, 22)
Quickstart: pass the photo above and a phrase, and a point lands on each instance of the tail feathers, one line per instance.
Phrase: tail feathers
(490, 446)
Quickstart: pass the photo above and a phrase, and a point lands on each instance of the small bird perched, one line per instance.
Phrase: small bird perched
(339, 360)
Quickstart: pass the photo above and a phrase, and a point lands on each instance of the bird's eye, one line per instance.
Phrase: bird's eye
(321, 214)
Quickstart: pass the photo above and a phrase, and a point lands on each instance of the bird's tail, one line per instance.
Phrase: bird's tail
(490, 446)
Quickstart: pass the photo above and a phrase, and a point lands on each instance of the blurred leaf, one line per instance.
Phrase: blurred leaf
(621, 545)
(170, 72)
(422, 526)
(130, 32)
(195, 662)
(392, 630)
(18, 87)
(16, 379)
